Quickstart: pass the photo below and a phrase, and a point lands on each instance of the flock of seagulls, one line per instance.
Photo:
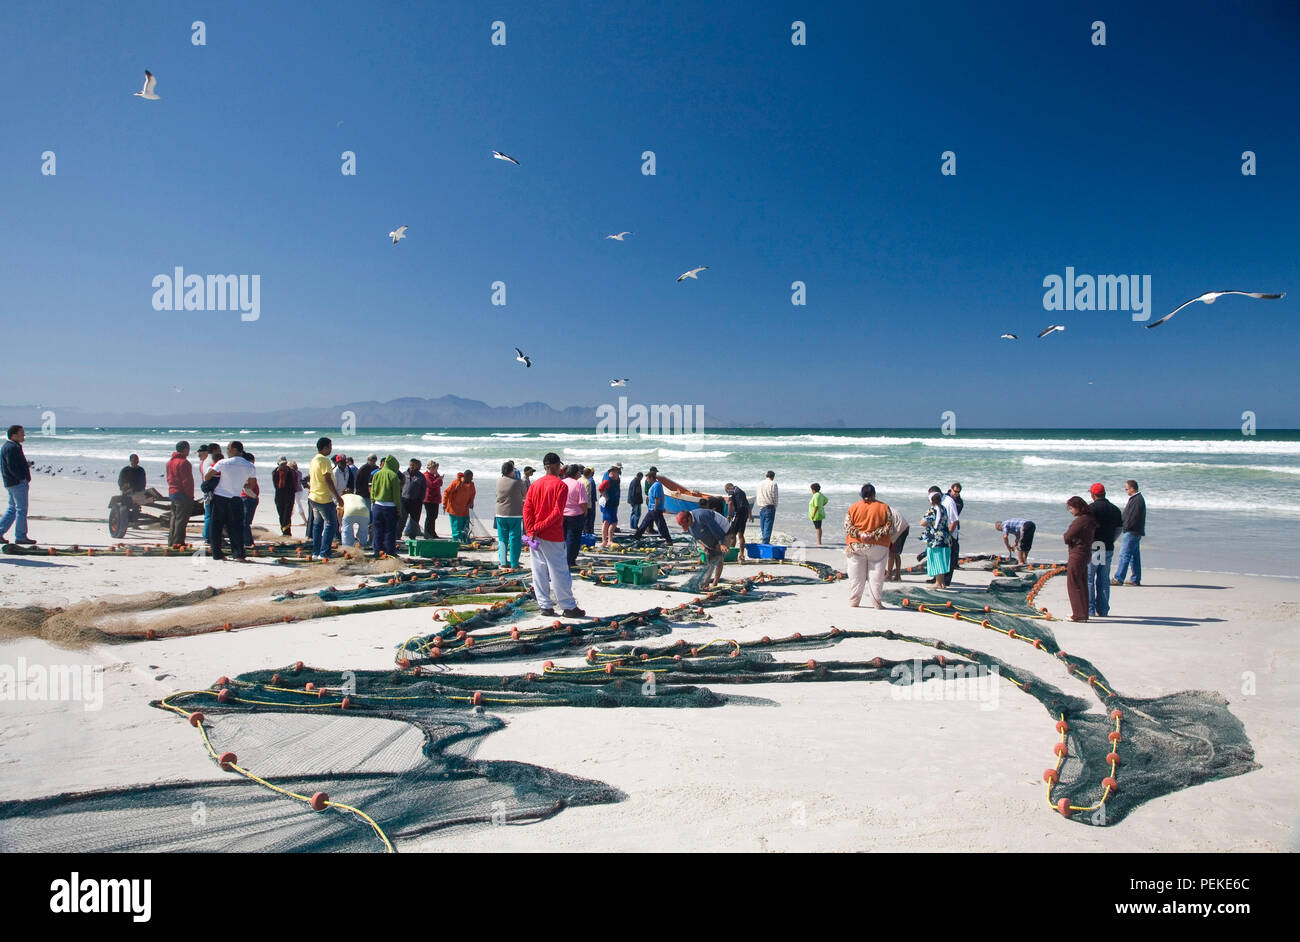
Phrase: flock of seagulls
(1208, 298)
(149, 92)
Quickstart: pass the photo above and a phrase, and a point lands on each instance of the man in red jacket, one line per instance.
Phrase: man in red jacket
(544, 528)
(180, 491)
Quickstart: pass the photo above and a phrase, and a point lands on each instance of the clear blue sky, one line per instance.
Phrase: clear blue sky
(776, 163)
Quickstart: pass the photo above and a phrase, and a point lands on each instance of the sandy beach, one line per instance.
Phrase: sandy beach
(817, 766)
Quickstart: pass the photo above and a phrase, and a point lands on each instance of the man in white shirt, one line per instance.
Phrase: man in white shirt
(232, 474)
(768, 496)
(952, 503)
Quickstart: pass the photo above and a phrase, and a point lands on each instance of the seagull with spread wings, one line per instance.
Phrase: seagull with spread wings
(520, 356)
(500, 156)
(618, 237)
(1050, 330)
(693, 273)
(1211, 296)
(1009, 337)
(398, 234)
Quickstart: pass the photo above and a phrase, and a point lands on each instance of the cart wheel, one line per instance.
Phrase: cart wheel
(118, 521)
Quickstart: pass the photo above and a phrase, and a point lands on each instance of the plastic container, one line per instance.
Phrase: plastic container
(588, 539)
(639, 573)
(733, 554)
(764, 551)
(432, 549)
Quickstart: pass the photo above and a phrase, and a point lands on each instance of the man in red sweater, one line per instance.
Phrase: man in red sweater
(180, 491)
(544, 528)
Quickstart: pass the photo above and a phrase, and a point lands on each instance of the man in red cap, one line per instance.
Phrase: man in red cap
(1109, 523)
(710, 529)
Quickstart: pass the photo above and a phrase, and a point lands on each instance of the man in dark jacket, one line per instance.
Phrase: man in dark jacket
(1135, 527)
(286, 482)
(17, 476)
(413, 485)
(1109, 523)
(364, 474)
(133, 484)
(635, 498)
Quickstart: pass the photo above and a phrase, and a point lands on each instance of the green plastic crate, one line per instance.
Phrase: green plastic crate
(733, 554)
(637, 573)
(433, 549)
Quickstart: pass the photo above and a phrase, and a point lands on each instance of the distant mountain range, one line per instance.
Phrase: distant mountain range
(408, 412)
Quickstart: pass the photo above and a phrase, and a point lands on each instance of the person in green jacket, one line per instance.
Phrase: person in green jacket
(817, 510)
(385, 507)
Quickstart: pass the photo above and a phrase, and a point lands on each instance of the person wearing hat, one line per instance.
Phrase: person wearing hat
(609, 495)
(1109, 523)
(342, 480)
(1023, 531)
(710, 530)
(544, 528)
(286, 482)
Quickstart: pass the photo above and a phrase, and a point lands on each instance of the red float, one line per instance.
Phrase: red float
(319, 801)
(196, 719)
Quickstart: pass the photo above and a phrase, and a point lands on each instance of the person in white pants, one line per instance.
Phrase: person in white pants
(867, 540)
(544, 530)
(355, 525)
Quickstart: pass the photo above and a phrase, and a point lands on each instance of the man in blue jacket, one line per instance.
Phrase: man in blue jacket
(17, 476)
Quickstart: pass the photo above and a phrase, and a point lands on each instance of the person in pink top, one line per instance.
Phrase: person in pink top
(575, 512)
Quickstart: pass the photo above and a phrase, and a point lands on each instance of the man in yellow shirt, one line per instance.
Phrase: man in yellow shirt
(323, 501)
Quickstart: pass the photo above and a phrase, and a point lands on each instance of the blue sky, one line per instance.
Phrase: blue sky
(775, 163)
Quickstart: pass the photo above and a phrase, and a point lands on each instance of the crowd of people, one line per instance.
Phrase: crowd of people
(370, 505)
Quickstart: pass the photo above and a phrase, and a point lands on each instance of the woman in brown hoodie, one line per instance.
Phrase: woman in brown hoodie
(1078, 538)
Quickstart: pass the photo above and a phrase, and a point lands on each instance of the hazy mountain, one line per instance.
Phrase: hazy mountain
(407, 412)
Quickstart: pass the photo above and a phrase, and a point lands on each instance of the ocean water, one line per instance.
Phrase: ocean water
(1216, 501)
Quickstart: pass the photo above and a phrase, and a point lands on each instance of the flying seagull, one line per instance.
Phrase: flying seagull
(693, 273)
(1210, 297)
(619, 237)
(398, 233)
(1009, 337)
(525, 360)
(618, 382)
(1052, 329)
(500, 156)
(147, 90)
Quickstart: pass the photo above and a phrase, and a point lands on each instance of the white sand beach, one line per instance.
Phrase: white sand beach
(823, 767)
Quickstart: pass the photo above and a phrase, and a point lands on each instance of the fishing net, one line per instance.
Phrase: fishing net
(388, 780)
(301, 730)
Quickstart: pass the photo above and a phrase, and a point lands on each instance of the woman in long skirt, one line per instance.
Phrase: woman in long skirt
(1078, 538)
(938, 542)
